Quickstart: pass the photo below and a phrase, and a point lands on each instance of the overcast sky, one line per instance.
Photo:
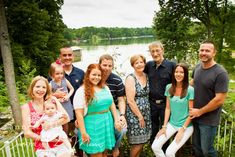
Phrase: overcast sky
(108, 13)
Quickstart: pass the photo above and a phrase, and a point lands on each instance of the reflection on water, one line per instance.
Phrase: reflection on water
(120, 52)
(124, 41)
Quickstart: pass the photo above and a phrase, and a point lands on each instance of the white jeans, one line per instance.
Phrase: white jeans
(173, 147)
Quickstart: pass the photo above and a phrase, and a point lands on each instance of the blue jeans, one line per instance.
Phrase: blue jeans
(203, 140)
(119, 136)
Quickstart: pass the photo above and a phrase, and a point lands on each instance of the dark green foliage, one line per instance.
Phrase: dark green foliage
(103, 33)
(35, 29)
(173, 30)
(24, 79)
(4, 102)
(182, 25)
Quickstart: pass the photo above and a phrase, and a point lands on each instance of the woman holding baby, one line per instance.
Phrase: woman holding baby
(39, 91)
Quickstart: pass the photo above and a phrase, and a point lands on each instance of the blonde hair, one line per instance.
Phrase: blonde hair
(32, 84)
(53, 66)
(135, 58)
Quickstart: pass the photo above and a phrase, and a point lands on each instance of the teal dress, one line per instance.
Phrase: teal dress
(99, 124)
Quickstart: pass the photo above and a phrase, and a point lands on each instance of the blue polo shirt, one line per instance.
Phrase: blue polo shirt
(116, 86)
(75, 78)
(159, 77)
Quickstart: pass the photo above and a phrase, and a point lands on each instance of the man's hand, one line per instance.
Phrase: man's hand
(59, 94)
(122, 120)
(194, 112)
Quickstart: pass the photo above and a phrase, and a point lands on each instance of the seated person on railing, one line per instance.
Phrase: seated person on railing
(96, 113)
(39, 90)
(179, 100)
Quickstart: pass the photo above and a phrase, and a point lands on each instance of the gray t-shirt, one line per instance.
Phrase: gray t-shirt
(208, 82)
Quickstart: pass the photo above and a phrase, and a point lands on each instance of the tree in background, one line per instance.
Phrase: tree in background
(9, 67)
(35, 28)
(176, 21)
(31, 40)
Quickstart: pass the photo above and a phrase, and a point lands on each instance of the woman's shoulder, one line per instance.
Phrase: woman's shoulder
(190, 88)
(130, 76)
(26, 105)
(80, 89)
(168, 86)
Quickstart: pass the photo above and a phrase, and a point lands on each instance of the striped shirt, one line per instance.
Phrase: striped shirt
(116, 87)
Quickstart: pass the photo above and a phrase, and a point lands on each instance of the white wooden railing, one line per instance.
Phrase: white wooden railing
(18, 146)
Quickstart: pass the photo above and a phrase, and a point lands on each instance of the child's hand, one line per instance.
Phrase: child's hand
(66, 98)
(61, 100)
(33, 127)
(46, 125)
(59, 93)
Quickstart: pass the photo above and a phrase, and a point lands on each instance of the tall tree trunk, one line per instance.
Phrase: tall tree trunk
(9, 66)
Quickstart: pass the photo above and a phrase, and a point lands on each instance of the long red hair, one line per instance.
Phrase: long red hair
(88, 86)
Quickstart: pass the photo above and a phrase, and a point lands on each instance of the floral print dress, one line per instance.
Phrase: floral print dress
(136, 134)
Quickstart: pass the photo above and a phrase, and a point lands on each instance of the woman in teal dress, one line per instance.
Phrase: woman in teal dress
(96, 114)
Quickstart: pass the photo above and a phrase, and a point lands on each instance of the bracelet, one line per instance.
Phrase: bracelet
(164, 126)
(184, 127)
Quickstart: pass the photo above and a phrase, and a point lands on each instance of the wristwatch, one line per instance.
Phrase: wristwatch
(122, 115)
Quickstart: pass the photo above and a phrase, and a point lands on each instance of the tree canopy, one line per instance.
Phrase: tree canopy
(36, 32)
(182, 24)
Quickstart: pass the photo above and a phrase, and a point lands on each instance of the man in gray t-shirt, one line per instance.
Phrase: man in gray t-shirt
(210, 81)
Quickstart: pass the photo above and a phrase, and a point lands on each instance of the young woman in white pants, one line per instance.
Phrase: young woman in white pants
(179, 100)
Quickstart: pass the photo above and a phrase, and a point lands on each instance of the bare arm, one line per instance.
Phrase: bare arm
(114, 113)
(215, 103)
(38, 123)
(122, 109)
(167, 112)
(70, 87)
(166, 119)
(81, 125)
(122, 105)
(180, 133)
(188, 120)
(26, 123)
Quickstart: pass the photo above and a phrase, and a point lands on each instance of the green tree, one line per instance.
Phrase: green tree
(36, 29)
(9, 67)
(215, 16)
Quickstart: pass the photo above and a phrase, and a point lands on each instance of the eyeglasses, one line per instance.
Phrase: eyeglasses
(157, 50)
(65, 55)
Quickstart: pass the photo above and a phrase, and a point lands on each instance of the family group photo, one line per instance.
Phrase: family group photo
(117, 78)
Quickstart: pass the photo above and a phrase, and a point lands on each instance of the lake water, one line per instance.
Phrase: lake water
(120, 52)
